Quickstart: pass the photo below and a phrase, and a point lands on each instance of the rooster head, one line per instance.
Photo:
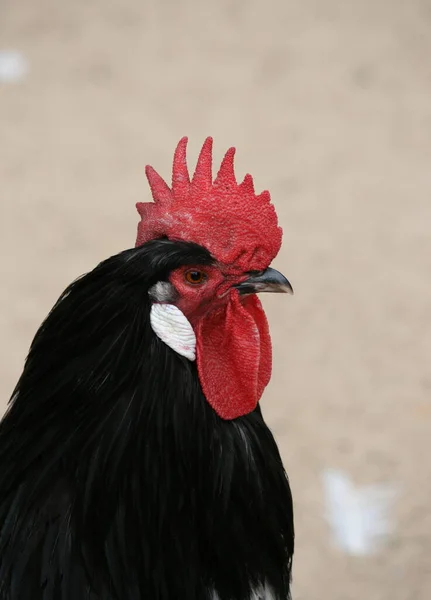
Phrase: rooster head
(211, 312)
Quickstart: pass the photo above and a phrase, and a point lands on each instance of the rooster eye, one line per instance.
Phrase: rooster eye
(195, 277)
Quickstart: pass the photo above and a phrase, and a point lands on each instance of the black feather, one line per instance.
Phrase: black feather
(118, 481)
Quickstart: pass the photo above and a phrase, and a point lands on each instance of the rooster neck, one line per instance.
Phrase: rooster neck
(209, 497)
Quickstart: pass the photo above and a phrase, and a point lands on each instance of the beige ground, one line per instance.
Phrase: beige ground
(329, 105)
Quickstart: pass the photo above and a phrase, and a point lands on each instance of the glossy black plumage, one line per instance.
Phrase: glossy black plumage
(117, 479)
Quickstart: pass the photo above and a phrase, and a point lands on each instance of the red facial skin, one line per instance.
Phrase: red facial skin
(233, 346)
(198, 299)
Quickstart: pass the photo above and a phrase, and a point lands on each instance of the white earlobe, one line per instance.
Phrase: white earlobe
(174, 329)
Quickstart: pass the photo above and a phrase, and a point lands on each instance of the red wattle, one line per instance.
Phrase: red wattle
(234, 356)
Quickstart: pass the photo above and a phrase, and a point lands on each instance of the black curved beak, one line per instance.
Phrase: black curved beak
(269, 280)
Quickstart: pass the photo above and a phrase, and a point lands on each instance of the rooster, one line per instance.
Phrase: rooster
(135, 463)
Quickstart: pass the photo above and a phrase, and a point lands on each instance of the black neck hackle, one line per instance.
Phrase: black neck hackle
(118, 481)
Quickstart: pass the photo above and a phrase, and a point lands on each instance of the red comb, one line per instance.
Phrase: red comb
(237, 226)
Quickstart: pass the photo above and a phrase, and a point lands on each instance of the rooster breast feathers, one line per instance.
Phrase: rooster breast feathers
(118, 480)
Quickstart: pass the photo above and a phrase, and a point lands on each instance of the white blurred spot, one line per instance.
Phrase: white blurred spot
(359, 516)
(13, 66)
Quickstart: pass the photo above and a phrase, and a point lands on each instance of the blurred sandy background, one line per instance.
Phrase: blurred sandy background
(329, 106)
